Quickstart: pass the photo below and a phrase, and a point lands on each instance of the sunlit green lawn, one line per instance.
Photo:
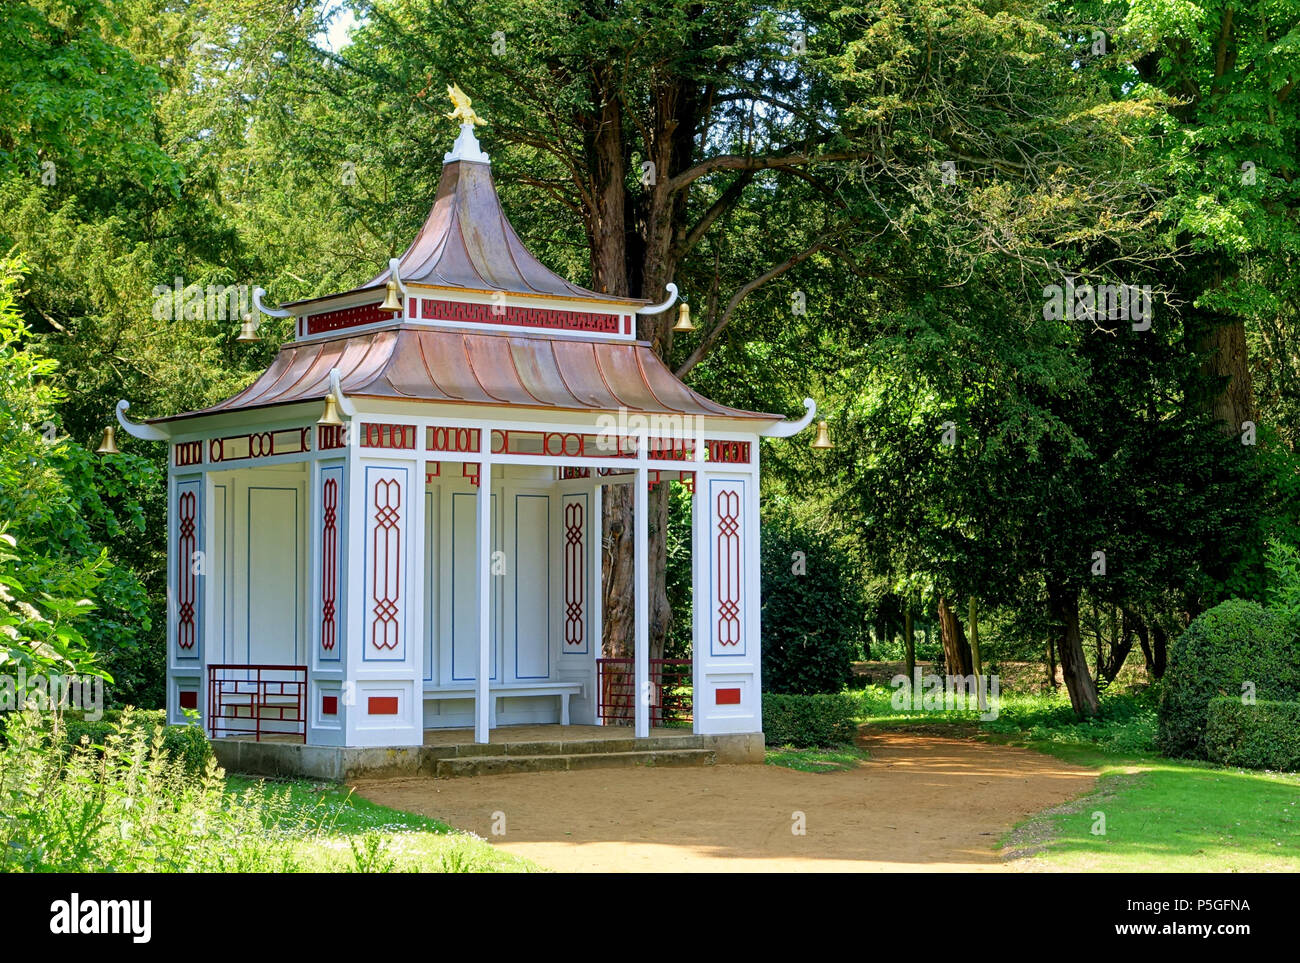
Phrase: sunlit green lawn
(339, 831)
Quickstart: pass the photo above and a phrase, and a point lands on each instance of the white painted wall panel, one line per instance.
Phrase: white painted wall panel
(532, 590)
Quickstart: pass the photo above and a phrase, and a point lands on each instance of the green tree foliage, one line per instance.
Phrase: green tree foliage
(59, 508)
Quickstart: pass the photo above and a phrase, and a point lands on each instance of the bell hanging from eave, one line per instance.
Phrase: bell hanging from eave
(823, 440)
(248, 331)
(391, 302)
(108, 443)
(330, 416)
(683, 324)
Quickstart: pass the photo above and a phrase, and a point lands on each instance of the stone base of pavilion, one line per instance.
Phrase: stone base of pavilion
(453, 752)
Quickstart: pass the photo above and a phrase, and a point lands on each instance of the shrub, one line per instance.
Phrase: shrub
(809, 720)
(1265, 735)
(186, 744)
(1235, 642)
(812, 609)
(128, 805)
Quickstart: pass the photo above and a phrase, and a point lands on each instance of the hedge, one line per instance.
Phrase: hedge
(1235, 642)
(809, 720)
(1265, 735)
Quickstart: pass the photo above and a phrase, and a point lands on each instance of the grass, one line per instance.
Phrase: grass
(337, 831)
(833, 759)
(1160, 815)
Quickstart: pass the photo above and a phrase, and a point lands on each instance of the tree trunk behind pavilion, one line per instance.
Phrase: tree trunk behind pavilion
(956, 650)
(1063, 613)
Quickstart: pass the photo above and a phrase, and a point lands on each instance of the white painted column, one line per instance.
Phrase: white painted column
(482, 705)
(642, 602)
(596, 608)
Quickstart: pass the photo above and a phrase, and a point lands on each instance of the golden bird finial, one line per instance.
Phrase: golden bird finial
(463, 112)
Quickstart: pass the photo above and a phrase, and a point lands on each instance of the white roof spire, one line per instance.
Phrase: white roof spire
(466, 148)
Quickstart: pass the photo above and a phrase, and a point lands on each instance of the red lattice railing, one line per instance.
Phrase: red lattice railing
(242, 699)
(670, 691)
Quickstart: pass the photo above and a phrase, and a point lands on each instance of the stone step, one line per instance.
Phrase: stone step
(565, 747)
(496, 764)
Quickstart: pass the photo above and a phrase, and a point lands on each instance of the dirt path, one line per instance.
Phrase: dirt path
(921, 802)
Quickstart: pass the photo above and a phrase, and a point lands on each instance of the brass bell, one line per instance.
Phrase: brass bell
(107, 443)
(823, 439)
(248, 331)
(390, 299)
(330, 416)
(683, 319)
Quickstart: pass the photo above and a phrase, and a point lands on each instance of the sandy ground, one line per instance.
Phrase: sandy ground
(921, 803)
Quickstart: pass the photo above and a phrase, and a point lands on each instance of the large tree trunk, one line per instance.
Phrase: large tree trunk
(632, 252)
(1051, 663)
(1158, 649)
(956, 650)
(1228, 360)
(909, 641)
(1119, 651)
(1063, 615)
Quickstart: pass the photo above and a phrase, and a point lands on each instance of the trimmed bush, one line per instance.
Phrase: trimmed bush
(804, 721)
(1265, 735)
(1235, 642)
(813, 614)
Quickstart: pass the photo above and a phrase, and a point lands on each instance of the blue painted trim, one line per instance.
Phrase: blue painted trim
(405, 567)
(227, 564)
(340, 594)
(739, 483)
(248, 570)
(431, 552)
(586, 573)
(200, 588)
(547, 499)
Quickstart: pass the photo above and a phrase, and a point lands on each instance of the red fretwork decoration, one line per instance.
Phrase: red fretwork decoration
(386, 580)
(329, 572)
(329, 437)
(727, 506)
(387, 436)
(189, 453)
(568, 471)
(732, 452)
(432, 470)
(187, 535)
(687, 478)
(469, 469)
(347, 318)
(574, 569)
(442, 438)
(260, 444)
(491, 313)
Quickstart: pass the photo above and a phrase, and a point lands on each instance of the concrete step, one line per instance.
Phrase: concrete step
(559, 762)
(569, 747)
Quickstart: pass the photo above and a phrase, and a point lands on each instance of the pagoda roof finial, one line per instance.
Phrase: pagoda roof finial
(466, 147)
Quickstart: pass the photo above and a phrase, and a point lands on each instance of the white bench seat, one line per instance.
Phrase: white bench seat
(498, 690)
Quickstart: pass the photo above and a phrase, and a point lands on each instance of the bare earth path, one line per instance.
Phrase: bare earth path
(920, 803)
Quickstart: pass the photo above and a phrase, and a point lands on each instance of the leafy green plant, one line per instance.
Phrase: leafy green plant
(126, 805)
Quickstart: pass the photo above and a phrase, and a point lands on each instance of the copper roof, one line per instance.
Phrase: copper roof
(467, 242)
(412, 362)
